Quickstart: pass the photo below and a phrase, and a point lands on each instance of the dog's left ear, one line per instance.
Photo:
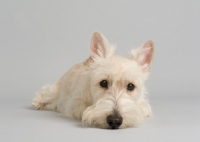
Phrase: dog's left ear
(100, 47)
(144, 55)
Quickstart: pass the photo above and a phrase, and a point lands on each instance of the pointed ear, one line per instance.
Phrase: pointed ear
(144, 55)
(99, 46)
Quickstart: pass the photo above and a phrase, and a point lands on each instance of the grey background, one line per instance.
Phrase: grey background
(40, 40)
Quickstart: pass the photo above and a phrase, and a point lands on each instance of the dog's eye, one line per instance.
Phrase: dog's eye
(130, 87)
(104, 84)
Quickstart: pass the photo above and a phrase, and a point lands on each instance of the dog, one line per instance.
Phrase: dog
(105, 91)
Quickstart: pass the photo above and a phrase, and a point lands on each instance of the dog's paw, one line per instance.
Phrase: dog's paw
(38, 105)
(37, 102)
(147, 112)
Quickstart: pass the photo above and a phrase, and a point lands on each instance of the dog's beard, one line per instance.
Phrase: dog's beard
(96, 114)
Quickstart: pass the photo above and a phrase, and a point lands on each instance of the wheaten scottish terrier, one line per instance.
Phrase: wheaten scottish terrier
(105, 90)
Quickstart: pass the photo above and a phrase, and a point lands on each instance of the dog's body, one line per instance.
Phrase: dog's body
(105, 90)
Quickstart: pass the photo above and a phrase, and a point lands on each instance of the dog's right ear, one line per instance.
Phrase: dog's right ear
(100, 47)
(144, 55)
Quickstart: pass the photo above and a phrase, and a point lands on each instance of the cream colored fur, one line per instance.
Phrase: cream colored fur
(78, 94)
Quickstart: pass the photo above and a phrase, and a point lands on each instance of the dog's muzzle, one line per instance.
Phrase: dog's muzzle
(114, 121)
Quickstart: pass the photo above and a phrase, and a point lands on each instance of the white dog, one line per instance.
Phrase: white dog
(105, 90)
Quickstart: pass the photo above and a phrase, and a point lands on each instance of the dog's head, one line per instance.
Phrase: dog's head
(117, 83)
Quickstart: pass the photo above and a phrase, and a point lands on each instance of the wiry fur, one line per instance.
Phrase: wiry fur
(78, 94)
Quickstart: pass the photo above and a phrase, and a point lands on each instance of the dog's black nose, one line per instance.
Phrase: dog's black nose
(114, 121)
